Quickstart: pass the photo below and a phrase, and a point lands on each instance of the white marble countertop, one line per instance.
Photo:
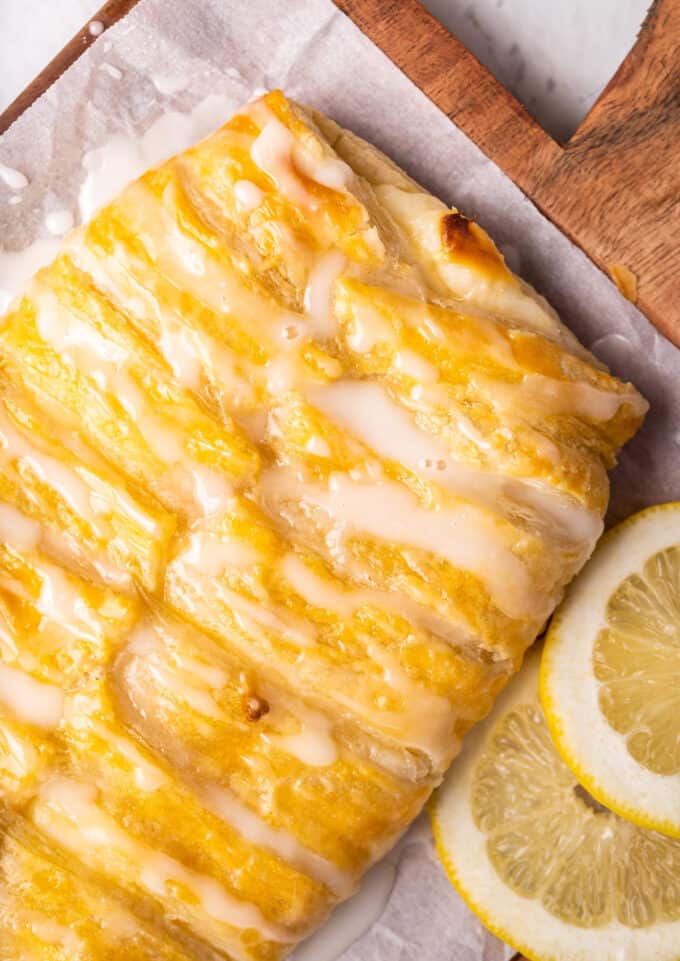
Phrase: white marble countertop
(555, 55)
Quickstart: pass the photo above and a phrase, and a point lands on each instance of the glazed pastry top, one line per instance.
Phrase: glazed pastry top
(292, 471)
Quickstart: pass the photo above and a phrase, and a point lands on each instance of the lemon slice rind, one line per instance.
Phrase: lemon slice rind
(595, 752)
(521, 922)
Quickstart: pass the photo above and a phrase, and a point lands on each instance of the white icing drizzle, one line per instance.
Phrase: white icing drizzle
(104, 498)
(180, 348)
(119, 923)
(125, 157)
(248, 195)
(212, 282)
(544, 447)
(413, 365)
(213, 553)
(424, 721)
(318, 295)
(74, 338)
(313, 744)
(212, 491)
(430, 716)
(420, 722)
(547, 395)
(190, 680)
(321, 592)
(210, 675)
(468, 430)
(438, 397)
(20, 532)
(318, 446)
(466, 537)
(148, 776)
(109, 168)
(18, 757)
(17, 266)
(273, 152)
(114, 72)
(30, 700)
(191, 353)
(59, 222)
(61, 600)
(329, 171)
(95, 28)
(64, 479)
(86, 348)
(367, 329)
(170, 83)
(369, 326)
(584, 400)
(366, 409)
(191, 253)
(67, 811)
(50, 932)
(13, 178)
(282, 375)
(254, 615)
(280, 155)
(570, 519)
(253, 828)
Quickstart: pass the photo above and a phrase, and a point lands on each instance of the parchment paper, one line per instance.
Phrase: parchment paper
(232, 48)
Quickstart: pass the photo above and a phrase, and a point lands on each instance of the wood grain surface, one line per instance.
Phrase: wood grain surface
(614, 188)
(107, 16)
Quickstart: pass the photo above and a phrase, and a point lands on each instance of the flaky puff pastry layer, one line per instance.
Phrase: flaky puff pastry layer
(292, 471)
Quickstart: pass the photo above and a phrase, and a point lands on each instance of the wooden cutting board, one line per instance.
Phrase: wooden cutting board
(614, 188)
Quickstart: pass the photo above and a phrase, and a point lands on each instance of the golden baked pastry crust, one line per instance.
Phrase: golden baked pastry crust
(292, 471)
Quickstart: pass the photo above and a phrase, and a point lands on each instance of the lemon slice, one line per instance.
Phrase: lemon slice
(547, 868)
(610, 675)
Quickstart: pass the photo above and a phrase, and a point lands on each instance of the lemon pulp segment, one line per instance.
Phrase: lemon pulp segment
(548, 868)
(609, 679)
